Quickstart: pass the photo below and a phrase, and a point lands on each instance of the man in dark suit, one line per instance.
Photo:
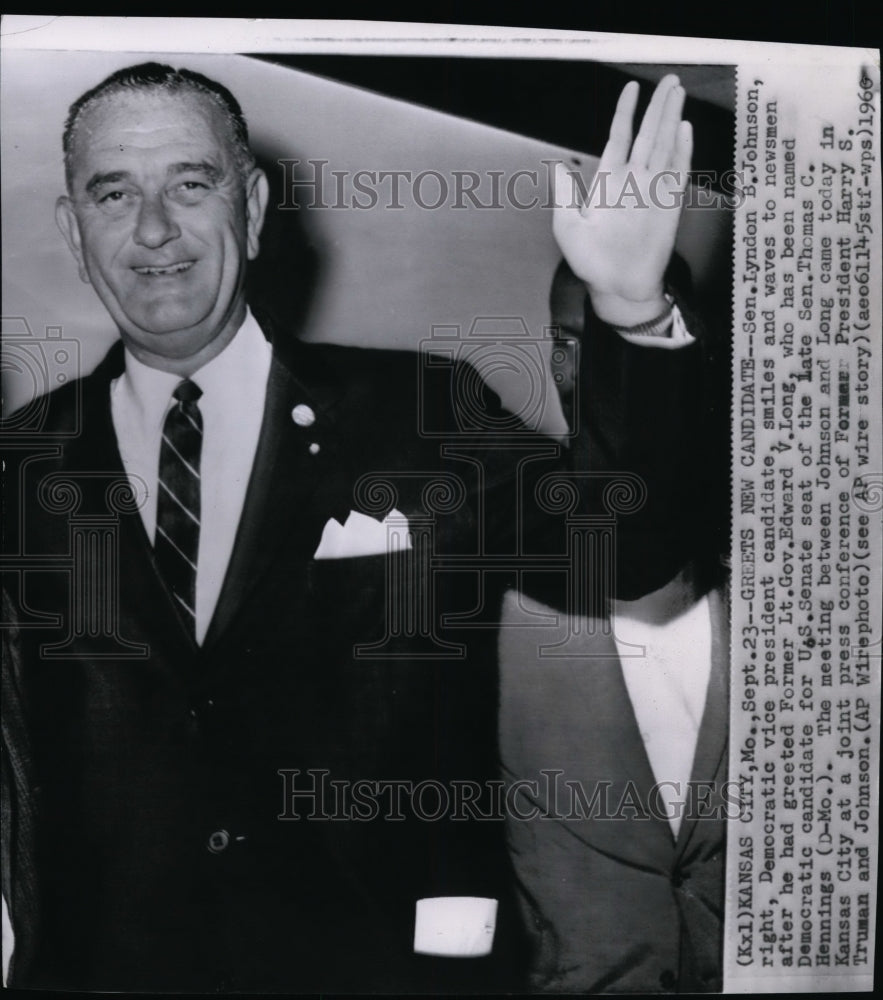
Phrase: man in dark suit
(239, 647)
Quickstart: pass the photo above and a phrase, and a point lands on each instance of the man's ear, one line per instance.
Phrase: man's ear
(257, 194)
(66, 220)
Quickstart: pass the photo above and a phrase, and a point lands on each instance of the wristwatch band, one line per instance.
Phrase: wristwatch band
(657, 327)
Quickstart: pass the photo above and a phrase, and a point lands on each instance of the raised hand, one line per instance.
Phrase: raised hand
(620, 240)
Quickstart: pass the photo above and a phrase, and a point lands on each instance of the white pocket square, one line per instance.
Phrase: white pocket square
(361, 535)
(455, 926)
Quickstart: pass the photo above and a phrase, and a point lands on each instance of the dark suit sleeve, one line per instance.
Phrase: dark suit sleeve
(633, 460)
(640, 408)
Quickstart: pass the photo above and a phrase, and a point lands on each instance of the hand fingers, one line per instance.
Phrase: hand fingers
(616, 152)
(652, 118)
(567, 187)
(683, 151)
(566, 198)
(663, 145)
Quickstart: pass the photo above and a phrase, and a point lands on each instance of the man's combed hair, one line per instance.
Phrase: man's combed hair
(157, 77)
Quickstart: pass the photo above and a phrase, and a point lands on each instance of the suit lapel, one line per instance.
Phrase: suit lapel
(709, 762)
(619, 755)
(298, 482)
(616, 751)
(590, 734)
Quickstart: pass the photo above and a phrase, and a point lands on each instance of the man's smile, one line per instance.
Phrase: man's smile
(164, 270)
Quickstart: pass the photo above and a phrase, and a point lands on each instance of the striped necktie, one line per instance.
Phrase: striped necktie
(176, 543)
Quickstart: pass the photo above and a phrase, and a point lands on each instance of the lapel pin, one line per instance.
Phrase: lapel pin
(303, 415)
(314, 449)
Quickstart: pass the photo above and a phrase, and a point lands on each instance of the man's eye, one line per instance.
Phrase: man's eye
(189, 186)
(115, 202)
(190, 192)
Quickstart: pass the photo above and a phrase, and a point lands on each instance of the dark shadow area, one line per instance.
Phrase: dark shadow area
(282, 281)
(565, 102)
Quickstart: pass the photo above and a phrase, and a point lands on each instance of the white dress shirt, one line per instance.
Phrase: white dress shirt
(234, 389)
(667, 685)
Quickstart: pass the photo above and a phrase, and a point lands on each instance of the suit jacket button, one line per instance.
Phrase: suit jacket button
(218, 841)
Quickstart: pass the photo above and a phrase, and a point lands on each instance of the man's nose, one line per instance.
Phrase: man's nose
(155, 226)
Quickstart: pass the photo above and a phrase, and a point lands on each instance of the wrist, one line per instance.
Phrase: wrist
(615, 310)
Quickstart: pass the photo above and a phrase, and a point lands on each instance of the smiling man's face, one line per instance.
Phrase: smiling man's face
(162, 223)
